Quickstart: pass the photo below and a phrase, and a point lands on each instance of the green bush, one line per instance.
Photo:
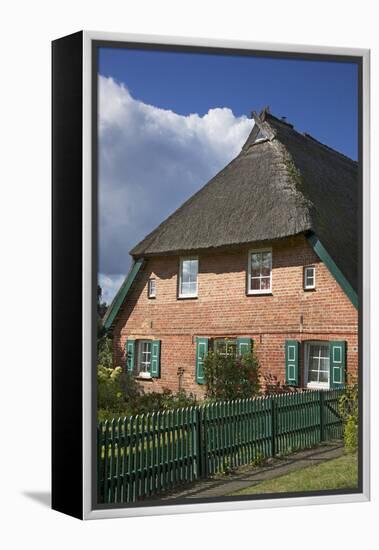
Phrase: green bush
(161, 401)
(116, 389)
(350, 435)
(120, 395)
(109, 391)
(348, 409)
(144, 403)
(230, 377)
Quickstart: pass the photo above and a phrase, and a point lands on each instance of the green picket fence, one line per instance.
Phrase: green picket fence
(147, 455)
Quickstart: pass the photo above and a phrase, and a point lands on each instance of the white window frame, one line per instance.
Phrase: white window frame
(258, 291)
(144, 373)
(216, 341)
(314, 385)
(151, 294)
(309, 287)
(195, 294)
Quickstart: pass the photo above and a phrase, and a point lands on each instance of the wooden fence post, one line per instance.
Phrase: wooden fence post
(322, 422)
(201, 446)
(273, 427)
(100, 464)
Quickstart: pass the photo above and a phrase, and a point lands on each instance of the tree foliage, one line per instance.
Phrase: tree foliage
(109, 387)
(101, 310)
(348, 409)
(232, 377)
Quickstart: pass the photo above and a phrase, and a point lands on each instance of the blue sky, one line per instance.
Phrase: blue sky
(170, 121)
(320, 98)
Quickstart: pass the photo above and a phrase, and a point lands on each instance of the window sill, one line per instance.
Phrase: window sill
(268, 293)
(187, 297)
(316, 386)
(310, 289)
(144, 378)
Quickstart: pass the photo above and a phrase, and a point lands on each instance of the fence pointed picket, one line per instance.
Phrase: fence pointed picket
(145, 455)
(100, 463)
(106, 461)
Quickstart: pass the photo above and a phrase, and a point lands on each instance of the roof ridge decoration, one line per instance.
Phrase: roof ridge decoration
(261, 130)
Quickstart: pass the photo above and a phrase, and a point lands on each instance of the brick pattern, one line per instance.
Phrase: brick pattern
(223, 309)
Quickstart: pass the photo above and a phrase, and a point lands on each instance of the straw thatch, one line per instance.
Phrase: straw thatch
(286, 184)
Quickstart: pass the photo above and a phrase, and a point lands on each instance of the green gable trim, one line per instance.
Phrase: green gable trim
(115, 306)
(334, 270)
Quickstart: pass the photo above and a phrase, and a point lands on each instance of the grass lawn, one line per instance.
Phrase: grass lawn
(339, 473)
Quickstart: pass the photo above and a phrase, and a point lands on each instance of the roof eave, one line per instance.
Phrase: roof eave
(333, 268)
(119, 299)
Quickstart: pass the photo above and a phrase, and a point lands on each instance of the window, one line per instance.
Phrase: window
(189, 268)
(225, 347)
(144, 356)
(259, 272)
(151, 288)
(317, 368)
(309, 278)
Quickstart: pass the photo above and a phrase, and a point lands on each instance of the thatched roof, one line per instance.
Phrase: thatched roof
(285, 184)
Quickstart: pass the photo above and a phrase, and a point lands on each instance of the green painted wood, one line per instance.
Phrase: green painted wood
(106, 462)
(201, 352)
(149, 454)
(292, 362)
(153, 456)
(337, 363)
(159, 451)
(121, 295)
(324, 256)
(130, 460)
(118, 460)
(100, 464)
(112, 462)
(244, 345)
(124, 461)
(130, 346)
(155, 358)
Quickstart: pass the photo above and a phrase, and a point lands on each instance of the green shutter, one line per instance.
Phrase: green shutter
(155, 358)
(244, 346)
(201, 352)
(337, 350)
(130, 354)
(292, 362)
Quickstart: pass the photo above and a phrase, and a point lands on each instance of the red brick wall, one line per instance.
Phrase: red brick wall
(223, 309)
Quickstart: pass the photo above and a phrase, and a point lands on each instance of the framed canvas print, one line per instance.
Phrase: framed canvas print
(210, 275)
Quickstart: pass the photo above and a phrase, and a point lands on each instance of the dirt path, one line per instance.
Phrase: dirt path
(246, 476)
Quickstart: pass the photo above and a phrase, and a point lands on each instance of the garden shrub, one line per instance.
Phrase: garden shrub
(109, 390)
(348, 409)
(231, 377)
(120, 395)
(350, 435)
(144, 403)
(161, 401)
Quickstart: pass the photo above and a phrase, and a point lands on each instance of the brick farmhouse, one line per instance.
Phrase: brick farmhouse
(263, 256)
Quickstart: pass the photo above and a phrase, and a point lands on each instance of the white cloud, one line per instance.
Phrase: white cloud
(150, 161)
(110, 285)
